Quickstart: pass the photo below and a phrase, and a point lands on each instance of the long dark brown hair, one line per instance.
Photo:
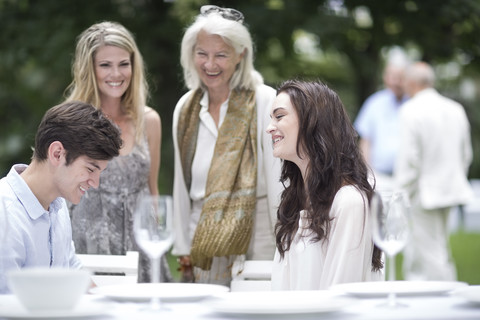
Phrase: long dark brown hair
(327, 138)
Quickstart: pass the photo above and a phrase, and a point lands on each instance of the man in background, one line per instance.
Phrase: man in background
(377, 125)
(432, 165)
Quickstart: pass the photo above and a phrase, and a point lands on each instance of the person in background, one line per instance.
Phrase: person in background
(377, 125)
(434, 157)
(226, 183)
(108, 71)
(73, 145)
(323, 233)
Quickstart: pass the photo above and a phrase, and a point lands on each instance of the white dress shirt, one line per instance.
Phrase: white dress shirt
(35, 237)
(207, 138)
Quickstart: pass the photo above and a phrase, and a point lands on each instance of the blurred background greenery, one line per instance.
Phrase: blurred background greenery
(342, 42)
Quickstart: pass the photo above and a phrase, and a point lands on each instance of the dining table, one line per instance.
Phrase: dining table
(186, 301)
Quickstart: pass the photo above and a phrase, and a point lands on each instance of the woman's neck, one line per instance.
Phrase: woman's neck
(112, 108)
(218, 96)
(215, 100)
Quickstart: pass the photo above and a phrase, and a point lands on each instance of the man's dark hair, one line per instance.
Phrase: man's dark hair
(81, 128)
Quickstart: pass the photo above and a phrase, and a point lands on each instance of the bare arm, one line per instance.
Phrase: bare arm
(153, 126)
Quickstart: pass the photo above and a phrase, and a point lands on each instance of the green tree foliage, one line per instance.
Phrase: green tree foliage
(346, 44)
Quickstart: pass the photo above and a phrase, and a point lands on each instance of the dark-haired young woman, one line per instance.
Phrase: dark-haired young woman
(323, 234)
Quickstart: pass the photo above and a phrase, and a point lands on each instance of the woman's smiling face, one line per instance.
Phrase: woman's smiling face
(284, 128)
(215, 61)
(113, 70)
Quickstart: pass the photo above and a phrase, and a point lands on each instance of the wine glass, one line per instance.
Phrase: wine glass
(391, 228)
(153, 230)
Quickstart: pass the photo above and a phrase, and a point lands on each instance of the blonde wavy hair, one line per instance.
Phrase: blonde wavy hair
(84, 85)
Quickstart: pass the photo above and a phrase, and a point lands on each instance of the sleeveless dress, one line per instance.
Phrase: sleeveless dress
(102, 223)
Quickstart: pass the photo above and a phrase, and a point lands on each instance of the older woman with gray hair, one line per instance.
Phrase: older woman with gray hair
(226, 184)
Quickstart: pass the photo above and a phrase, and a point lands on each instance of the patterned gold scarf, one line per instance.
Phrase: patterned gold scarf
(226, 221)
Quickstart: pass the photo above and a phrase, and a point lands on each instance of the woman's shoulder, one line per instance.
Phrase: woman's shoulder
(150, 113)
(153, 123)
(182, 100)
(349, 195)
(151, 116)
(348, 202)
(265, 96)
(265, 90)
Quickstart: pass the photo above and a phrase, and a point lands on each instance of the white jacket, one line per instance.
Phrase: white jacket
(435, 151)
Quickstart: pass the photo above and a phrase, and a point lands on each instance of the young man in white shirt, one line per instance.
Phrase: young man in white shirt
(73, 144)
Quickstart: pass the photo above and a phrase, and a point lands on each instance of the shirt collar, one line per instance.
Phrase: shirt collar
(25, 195)
(204, 112)
(204, 103)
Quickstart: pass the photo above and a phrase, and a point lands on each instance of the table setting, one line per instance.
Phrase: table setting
(44, 293)
(420, 300)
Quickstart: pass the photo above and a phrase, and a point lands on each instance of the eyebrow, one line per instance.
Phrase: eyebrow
(110, 61)
(276, 109)
(94, 165)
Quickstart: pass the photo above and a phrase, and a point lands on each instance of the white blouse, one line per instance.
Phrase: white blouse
(207, 138)
(345, 257)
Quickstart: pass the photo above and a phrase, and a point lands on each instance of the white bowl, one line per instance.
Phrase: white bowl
(48, 288)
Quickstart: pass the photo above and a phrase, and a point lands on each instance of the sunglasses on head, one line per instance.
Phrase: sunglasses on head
(227, 13)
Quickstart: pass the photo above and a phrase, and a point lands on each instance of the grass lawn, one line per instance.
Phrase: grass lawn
(173, 264)
(466, 253)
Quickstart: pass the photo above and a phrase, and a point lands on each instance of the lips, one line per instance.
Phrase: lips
(276, 139)
(212, 74)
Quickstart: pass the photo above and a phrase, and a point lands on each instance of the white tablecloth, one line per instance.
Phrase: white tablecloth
(419, 307)
(440, 307)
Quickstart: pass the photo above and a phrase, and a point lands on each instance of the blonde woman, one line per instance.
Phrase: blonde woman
(108, 71)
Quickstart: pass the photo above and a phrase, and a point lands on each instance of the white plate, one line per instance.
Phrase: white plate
(402, 288)
(470, 293)
(11, 308)
(278, 302)
(169, 292)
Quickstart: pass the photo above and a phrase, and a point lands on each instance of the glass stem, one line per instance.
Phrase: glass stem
(391, 277)
(155, 278)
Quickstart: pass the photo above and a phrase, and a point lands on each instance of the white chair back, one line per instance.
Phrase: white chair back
(111, 269)
(251, 275)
